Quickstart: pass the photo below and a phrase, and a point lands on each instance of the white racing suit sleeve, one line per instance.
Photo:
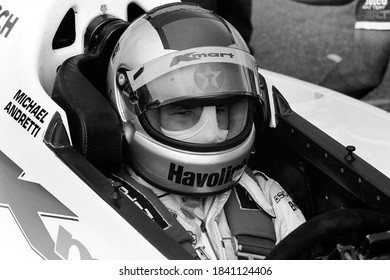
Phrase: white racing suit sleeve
(274, 200)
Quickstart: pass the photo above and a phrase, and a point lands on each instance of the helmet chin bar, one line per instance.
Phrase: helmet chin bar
(188, 172)
(179, 174)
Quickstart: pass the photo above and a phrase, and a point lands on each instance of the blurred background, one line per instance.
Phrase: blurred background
(305, 41)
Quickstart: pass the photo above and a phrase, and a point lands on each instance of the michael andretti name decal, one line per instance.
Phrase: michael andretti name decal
(26, 112)
(179, 175)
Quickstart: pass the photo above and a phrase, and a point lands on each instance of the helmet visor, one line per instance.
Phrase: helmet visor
(199, 96)
(206, 72)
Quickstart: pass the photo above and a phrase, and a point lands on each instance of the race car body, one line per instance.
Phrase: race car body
(46, 209)
(348, 120)
(56, 204)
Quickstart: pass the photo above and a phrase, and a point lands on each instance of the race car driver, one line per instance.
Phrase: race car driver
(186, 89)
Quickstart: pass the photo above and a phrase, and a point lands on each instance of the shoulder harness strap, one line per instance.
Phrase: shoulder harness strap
(150, 204)
(252, 228)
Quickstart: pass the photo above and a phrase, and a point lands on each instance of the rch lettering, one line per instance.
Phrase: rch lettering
(9, 23)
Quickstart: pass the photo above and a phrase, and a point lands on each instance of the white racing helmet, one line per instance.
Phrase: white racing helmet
(186, 87)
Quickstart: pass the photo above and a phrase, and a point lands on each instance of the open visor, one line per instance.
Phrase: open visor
(202, 121)
(207, 72)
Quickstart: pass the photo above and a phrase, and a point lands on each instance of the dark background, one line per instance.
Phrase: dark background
(296, 40)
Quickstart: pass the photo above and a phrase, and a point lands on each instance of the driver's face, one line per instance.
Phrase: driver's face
(178, 117)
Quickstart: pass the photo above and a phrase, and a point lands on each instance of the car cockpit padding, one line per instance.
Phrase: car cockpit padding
(94, 126)
(79, 88)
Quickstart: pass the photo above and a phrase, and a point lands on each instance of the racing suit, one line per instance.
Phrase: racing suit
(206, 219)
(373, 15)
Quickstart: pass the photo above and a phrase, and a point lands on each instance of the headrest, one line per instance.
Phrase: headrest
(79, 88)
(94, 125)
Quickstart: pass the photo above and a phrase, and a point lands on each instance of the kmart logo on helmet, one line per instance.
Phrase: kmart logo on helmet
(179, 175)
(197, 56)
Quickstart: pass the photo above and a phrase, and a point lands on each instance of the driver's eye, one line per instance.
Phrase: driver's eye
(175, 117)
(222, 109)
(183, 111)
